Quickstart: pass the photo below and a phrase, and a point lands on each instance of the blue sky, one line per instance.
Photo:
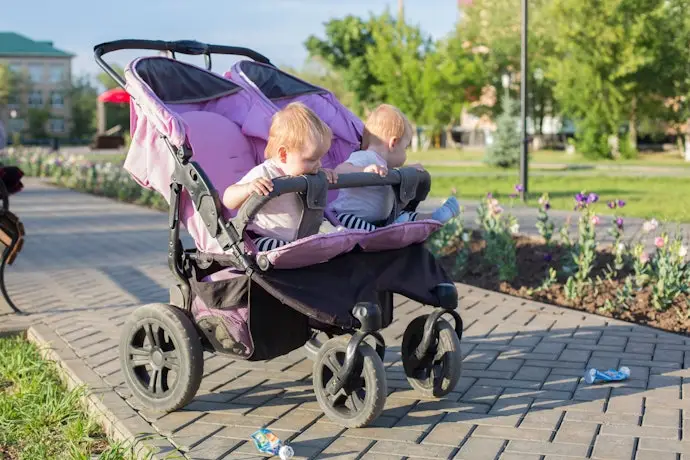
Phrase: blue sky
(275, 28)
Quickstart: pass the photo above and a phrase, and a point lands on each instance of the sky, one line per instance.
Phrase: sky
(275, 28)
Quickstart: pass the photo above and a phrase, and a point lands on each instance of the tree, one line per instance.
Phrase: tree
(491, 29)
(344, 49)
(37, 120)
(115, 114)
(396, 59)
(319, 73)
(613, 57)
(6, 83)
(505, 150)
(83, 97)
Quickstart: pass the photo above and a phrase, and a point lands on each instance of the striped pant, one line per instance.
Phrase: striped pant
(357, 223)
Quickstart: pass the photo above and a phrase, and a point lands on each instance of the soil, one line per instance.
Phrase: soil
(533, 270)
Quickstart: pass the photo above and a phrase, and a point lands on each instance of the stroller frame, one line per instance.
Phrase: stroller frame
(423, 335)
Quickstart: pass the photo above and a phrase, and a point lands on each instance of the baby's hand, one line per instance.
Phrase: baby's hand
(376, 169)
(261, 185)
(331, 175)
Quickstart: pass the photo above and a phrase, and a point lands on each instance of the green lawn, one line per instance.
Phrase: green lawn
(664, 198)
(548, 157)
(39, 418)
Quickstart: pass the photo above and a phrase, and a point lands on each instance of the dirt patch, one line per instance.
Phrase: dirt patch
(534, 259)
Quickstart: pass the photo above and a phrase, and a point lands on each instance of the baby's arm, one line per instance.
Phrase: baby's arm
(235, 195)
(360, 163)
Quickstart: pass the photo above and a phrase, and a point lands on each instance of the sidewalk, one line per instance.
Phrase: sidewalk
(88, 262)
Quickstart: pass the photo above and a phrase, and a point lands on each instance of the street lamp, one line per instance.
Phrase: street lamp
(505, 80)
(523, 106)
(13, 114)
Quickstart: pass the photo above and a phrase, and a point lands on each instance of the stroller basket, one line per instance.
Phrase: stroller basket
(195, 132)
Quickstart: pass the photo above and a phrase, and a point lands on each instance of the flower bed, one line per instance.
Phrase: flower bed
(560, 267)
(623, 281)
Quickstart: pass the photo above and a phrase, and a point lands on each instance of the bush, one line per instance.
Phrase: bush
(505, 150)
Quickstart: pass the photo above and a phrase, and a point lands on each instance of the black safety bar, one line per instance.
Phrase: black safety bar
(191, 47)
(283, 185)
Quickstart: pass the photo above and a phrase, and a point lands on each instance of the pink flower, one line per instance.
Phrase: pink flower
(595, 220)
(659, 242)
(644, 258)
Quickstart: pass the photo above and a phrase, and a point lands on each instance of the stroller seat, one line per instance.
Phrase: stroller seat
(193, 134)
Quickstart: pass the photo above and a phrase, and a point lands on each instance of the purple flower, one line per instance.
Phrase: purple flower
(619, 223)
(580, 198)
(548, 257)
(547, 206)
(621, 203)
(611, 204)
(592, 198)
(519, 188)
(489, 195)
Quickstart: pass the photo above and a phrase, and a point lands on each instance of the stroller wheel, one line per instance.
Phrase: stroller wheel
(161, 357)
(362, 398)
(439, 371)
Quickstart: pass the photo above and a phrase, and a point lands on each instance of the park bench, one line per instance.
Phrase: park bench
(11, 228)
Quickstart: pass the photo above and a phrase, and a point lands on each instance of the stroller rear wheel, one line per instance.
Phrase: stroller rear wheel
(161, 357)
(362, 398)
(437, 373)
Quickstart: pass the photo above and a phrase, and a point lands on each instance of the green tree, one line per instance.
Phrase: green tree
(613, 58)
(83, 96)
(344, 49)
(36, 123)
(319, 73)
(504, 152)
(396, 59)
(115, 114)
(492, 29)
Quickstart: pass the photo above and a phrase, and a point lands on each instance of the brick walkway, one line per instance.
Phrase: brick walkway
(88, 262)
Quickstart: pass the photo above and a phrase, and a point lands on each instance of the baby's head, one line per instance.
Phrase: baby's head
(388, 132)
(297, 140)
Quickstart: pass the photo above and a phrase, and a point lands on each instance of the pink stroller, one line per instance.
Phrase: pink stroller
(194, 133)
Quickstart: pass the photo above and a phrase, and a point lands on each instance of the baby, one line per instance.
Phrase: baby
(297, 140)
(387, 134)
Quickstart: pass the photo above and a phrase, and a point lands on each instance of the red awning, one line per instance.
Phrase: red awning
(115, 96)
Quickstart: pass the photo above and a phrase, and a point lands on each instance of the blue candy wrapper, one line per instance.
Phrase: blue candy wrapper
(612, 375)
(268, 443)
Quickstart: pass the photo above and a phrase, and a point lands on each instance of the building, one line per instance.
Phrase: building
(47, 72)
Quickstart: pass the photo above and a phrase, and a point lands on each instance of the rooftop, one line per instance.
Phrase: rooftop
(13, 44)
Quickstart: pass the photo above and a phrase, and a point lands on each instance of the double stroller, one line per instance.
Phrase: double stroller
(193, 133)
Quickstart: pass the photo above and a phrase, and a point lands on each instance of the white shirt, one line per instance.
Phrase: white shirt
(280, 217)
(373, 203)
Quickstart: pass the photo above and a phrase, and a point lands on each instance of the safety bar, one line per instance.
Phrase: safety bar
(191, 47)
(300, 184)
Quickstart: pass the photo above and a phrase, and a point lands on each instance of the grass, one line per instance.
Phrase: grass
(39, 418)
(664, 198)
(660, 159)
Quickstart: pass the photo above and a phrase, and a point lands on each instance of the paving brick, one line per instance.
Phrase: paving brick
(576, 432)
(547, 448)
(527, 373)
(399, 435)
(542, 419)
(411, 450)
(499, 432)
(346, 448)
(213, 448)
(448, 434)
(480, 449)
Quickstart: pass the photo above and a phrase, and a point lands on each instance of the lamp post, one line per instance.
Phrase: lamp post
(523, 106)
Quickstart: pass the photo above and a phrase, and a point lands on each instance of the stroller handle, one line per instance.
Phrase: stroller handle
(191, 47)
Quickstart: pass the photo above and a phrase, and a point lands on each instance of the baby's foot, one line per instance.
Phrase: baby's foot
(447, 211)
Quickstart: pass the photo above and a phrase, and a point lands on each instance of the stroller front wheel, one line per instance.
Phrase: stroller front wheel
(161, 357)
(438, 372)
(362, 398)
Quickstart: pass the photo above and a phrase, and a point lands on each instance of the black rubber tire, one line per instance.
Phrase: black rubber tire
(447, 347)
(374, 385)
(181, 333)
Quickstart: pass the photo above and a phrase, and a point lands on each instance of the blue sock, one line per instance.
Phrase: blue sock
(447, 211)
